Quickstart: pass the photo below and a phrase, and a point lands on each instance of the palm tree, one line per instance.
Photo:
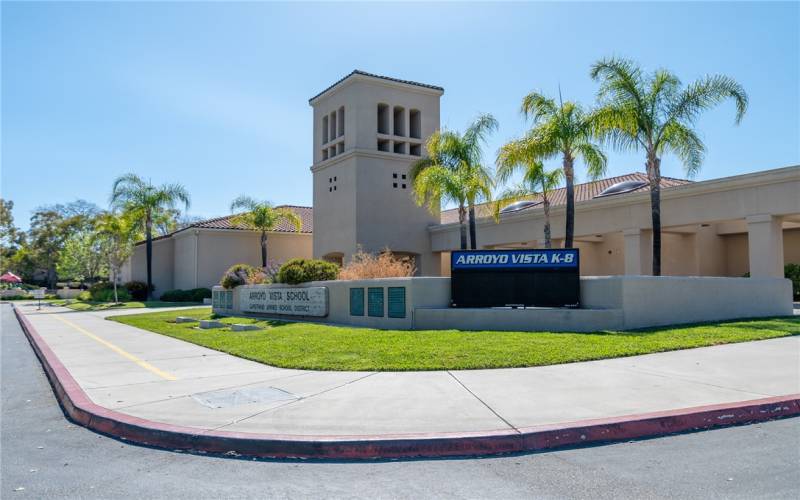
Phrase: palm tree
(262, 216)
(453, 150)
(564, 130)
(655, 113)
(463, 185)
(535, 181)
(143, 202)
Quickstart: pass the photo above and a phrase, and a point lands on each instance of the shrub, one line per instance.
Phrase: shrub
(238, 274)
(364, 265)
(295, 271)
(107, 295)
(792, 272)
(85, 296)
(193, 295)
(99, 286)
(103, 291)
(198, 294)
(138, 289)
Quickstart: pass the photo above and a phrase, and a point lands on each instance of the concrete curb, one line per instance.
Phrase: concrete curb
(80, 409)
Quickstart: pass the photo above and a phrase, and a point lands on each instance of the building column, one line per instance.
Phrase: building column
(638, 260)
(765, 246)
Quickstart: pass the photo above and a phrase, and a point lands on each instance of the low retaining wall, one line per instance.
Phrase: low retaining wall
(607, 303)
(68, 293)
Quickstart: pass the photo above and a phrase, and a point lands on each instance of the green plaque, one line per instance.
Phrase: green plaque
(375, 301)
(397, 301)
(356, 302)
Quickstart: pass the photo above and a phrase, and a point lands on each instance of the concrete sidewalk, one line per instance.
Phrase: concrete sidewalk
(161, 379)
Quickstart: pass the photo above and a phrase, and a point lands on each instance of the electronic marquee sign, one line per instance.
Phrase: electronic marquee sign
(516, 278)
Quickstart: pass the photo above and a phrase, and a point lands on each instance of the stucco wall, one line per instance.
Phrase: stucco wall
(184, 261)
(607, 302)
(791, 246)
(218, 250)
(162, 270)
(773, 192)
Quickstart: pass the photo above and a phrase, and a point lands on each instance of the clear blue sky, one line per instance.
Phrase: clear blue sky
(216, 95)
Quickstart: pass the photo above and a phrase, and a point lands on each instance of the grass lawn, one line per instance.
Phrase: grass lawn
(80, 305)
(322, 347)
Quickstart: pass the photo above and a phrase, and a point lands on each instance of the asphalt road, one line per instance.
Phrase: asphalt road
(50, 457)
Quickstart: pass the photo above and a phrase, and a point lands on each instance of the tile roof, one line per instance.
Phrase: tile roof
(583, 192)
(373, 75)
(226, 222)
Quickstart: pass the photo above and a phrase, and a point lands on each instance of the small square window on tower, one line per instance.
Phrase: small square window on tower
(404, 176)
(394, 185)
(394, 176)
(404, 186)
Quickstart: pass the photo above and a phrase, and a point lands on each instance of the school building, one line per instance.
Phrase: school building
(368, 130)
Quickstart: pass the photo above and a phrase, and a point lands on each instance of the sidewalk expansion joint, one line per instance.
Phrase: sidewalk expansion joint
(483, 403)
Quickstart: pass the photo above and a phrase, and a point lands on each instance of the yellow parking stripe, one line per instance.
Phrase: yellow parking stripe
(144, 364)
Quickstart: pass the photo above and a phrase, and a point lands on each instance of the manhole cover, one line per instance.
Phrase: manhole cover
(227, 398)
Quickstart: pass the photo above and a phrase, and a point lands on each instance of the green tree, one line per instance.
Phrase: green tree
(116, 236)
(655, 113)
(262, 216)
(145, 203)
(455, 151)
(11, 238)
(49, 229)
(81, 257)
(464, 185)
(563, 130)
(536, 181)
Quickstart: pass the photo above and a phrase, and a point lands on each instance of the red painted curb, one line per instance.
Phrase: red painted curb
(82, 410)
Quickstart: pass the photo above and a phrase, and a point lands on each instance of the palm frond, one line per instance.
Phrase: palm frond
(594, 158)
(243, 202)
(620, 81)
(707, 93)
(289, 216)
(686, 145)
(536, 106)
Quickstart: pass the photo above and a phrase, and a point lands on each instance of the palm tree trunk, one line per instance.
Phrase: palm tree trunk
(462, 228)
(569, 174)
(654, 176)
(149, 252)
(548, 242)
(473, 243)
(263, 249)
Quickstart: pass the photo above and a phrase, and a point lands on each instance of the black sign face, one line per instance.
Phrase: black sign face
(501, 278)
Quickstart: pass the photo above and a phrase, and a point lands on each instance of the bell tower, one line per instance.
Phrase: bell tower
(368, 130)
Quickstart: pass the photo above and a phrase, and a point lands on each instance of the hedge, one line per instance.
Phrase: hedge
(193, 295)
(295, 271)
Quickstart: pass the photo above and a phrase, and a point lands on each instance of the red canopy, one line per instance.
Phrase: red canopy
(10, 277)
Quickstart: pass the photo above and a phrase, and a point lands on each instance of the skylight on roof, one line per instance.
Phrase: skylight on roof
(520, 205)
(621, 187)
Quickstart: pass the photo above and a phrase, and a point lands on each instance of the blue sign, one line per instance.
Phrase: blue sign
(515, 259)
(515, 278)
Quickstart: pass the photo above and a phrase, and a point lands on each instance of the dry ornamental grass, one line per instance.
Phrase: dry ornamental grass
(364, 265)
